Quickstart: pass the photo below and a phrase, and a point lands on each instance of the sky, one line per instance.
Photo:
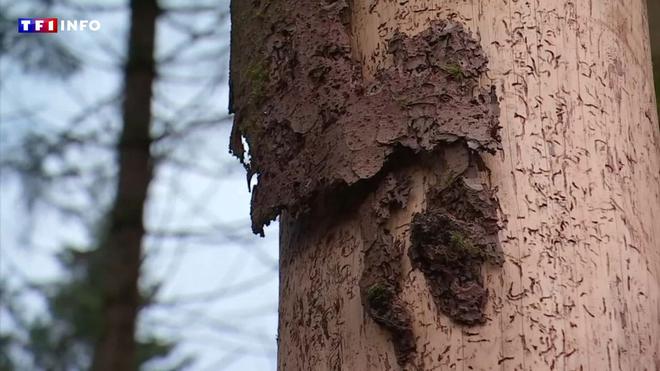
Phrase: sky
(219, 293)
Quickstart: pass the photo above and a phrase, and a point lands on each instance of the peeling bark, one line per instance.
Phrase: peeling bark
(314, 123)
(380, 284)
(450, 241)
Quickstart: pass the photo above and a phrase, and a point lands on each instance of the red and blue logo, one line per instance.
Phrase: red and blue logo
(37, 25)
(55, 25)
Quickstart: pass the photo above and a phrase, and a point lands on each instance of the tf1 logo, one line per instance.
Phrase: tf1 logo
(53, 25)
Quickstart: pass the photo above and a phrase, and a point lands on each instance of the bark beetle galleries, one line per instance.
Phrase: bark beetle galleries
(315, 125)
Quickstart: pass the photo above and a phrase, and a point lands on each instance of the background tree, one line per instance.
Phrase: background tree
(58, 159)
(383, 172)
(654, 26)
(120, 253)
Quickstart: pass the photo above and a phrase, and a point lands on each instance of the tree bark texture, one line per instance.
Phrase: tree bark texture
(576, 179)
(121, 247)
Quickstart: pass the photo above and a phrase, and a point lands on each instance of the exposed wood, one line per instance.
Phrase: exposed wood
(578, 182)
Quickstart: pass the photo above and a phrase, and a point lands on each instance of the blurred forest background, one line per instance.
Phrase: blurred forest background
(208, 287)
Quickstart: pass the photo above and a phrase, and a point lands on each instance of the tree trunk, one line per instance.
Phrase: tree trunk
(366, 214)
(654, 26)
(121, 247)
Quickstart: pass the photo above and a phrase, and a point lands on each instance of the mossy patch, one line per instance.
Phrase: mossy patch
(454, 70)
(258, 76)
(386, 309)
(379, 296)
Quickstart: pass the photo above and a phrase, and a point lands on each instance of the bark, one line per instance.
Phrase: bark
(394, 252)
(121, 249)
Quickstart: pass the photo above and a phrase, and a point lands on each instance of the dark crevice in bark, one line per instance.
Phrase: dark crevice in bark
(121, 248)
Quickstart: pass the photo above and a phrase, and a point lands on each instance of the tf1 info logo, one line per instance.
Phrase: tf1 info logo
(54, 25)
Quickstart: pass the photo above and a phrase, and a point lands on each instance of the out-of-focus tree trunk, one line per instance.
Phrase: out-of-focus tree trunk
(577, 179)
(121, 247)
(654, 26)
